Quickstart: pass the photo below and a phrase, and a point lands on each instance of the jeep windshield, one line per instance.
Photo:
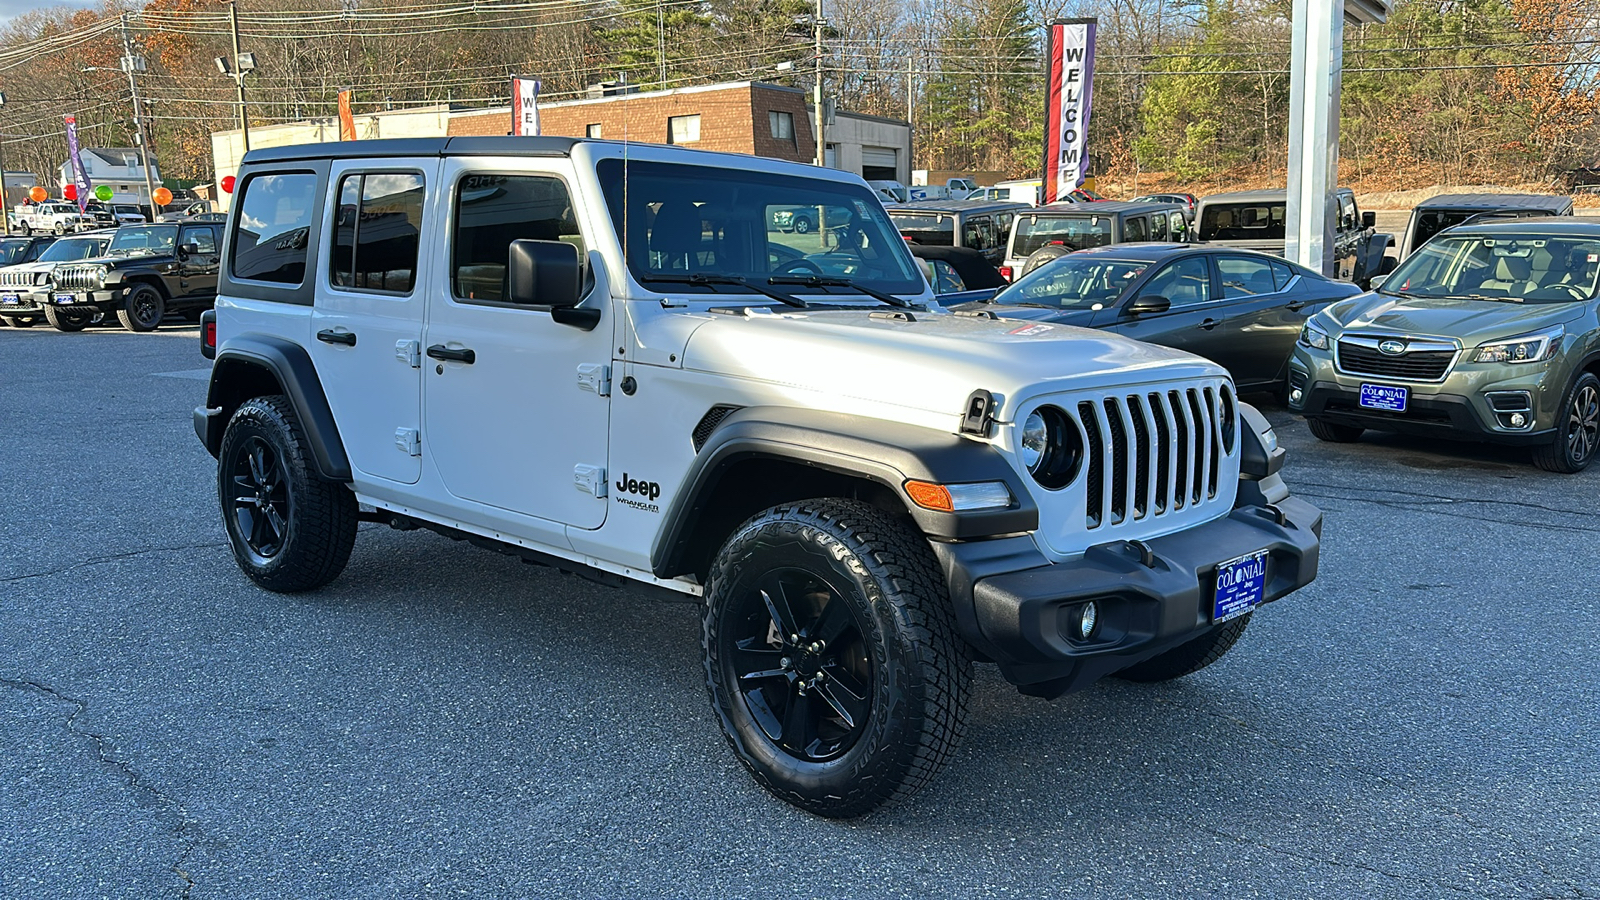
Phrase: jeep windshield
(1505, 266)
(131, 239)
(11, 252)
(1073, 232)
(677, 221)
(71, 250)
(1073, 282)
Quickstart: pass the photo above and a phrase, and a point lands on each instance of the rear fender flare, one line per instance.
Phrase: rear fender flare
(236, 377)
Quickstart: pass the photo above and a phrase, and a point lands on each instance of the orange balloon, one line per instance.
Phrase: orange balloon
(38, 194)
(163, 196)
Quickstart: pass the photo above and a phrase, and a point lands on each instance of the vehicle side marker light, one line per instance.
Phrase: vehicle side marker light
(959, 497)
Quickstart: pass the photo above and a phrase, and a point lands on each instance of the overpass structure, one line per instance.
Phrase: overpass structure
(1315, 67)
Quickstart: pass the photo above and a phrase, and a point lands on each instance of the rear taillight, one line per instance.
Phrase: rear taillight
(1005, 272)
(208, 334)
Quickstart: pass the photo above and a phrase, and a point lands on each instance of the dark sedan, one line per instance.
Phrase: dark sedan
(1240, 309)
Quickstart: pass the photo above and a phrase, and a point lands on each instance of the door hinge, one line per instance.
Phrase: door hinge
(590, 479)
(409, 352)
(595, 377)
(408, 440)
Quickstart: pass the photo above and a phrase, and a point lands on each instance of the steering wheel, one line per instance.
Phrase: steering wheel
(798, 264)
(1553, 292)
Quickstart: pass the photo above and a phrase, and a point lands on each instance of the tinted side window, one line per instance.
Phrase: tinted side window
(203, 239)
(1158, 227)
(1184, 283)
(1347, 213)
(494, 210)
(375, 235)
(1135, 228)
(1243, 277)
(1282, 274)
(275, 213)
(946, 279)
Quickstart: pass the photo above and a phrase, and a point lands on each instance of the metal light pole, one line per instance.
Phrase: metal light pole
(5, 214)
(130, 64)
(238, 79)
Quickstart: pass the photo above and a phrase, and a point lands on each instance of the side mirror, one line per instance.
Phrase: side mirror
(1150, 303)
(1369, 219)
(1377, 281)
(189, 250)
(549, 273)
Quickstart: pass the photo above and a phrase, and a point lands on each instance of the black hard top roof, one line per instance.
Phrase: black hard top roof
(1100, 208)
(954, 206)
(1538, 226)
(1556, 203)
(447, 146)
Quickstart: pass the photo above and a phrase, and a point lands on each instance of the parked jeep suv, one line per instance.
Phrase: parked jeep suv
(1256, 220)
(148, 271)
(1488, 332)
(596, 356)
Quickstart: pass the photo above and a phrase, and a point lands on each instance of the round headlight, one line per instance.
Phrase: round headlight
(1052, 447)
(1035, 441)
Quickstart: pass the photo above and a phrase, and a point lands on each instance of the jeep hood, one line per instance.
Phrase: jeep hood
(1470, 321)
(932, 363)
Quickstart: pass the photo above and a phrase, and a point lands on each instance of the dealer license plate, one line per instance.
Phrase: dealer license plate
(1383, 396)
(9, 299)
(1241, 583)
(66, 298)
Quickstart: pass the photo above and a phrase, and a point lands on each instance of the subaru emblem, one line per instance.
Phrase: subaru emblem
(1392, 348)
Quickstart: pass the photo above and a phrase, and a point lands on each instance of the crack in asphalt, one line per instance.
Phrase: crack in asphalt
(1434, 507)
(186, 830)
(113, 557)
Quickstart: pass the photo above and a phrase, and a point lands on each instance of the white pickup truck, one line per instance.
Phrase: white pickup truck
(56, 217)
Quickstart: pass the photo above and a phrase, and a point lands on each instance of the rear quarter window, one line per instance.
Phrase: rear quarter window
(272, 240)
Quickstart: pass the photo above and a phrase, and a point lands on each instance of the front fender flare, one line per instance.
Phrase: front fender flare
(888, 453)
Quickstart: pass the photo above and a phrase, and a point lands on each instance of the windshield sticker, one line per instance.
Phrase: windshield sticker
(1594, 257)
(1030, 329)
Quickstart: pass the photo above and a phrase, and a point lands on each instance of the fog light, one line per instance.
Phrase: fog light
(1088, 619)
(1518, 420)
(1296, 395)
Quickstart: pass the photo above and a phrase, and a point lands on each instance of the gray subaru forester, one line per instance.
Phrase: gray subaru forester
(1489, 332)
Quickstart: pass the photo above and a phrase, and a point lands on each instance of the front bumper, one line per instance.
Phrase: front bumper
(1458, 408)
(1018, 609)
(27, 302)
(103, 300)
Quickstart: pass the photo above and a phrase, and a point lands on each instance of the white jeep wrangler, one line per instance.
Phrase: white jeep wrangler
(608, 362)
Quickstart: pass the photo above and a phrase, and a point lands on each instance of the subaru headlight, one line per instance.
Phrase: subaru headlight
(1536, 347)
(1051, 447)
(1313, 337)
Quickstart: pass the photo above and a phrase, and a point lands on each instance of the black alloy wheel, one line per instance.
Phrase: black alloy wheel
(1577, 434)
(832, 657)
(261, 501)
(803, 670)
(289, 529)
(142, 309)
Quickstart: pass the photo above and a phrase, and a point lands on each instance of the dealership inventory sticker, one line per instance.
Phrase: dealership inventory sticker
(1030, 329)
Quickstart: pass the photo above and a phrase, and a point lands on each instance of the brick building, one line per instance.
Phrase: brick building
(740, 117)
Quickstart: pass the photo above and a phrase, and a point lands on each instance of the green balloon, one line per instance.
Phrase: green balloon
(103, 192)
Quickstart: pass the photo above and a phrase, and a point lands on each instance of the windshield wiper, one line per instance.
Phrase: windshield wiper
(698, 278)
(1505, 299)
(837, 281)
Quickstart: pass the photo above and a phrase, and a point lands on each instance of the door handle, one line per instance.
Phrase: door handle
(347, 338)
(440, 351)
(1298, 305)
(1209, 324)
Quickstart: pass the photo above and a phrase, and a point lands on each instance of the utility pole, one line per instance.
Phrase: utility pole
(238, 79)
(661, 40)
(129, 64)
(822, 147)
(5, 213)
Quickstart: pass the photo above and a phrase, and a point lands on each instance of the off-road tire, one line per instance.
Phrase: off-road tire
(142, 309)
(1190, 657)
(1573, 446)
(318, 518)
(904, 640)
(63, 320)
(1333, 432)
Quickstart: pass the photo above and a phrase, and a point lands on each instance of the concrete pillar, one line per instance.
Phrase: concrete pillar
(1316, 60)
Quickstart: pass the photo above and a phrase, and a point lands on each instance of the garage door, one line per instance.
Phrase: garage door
(879, 163)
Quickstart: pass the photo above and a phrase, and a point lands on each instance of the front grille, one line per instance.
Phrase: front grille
(1152, 454)
(1412, 365)
(81, 278)
(17, 279)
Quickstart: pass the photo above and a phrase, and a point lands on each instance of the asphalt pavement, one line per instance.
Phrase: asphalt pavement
(445, 721)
